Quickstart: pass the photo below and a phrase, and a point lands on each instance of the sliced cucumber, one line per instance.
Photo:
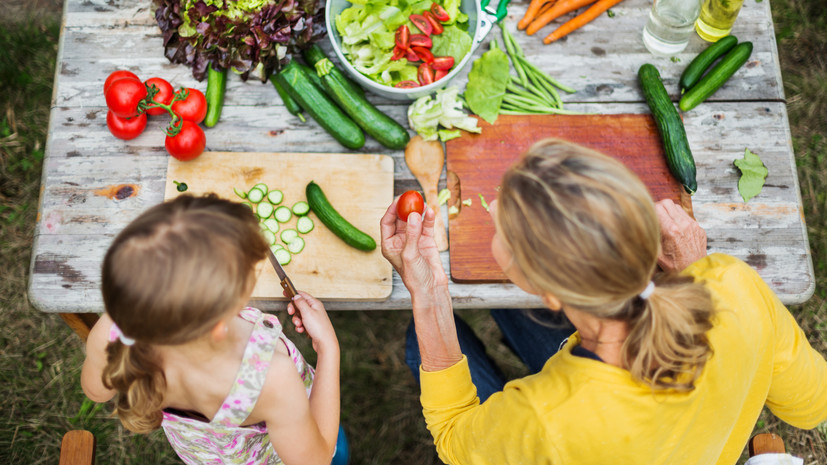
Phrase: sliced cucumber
(283, 214)
(240, 193)
(296, 245)
(275, 247)
(289, 235)
(304, 224)
(283, 256)
(271, 224)
(269, 236)
(301, 208)
(275, 196)
(255, 195)
(248, 205)
(262, 187)
(264, 210)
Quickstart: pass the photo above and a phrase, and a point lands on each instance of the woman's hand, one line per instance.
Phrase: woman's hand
(411, 249)
(309, 316)
(683, 240)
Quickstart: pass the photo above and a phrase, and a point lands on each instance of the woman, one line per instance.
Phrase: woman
(662, 368)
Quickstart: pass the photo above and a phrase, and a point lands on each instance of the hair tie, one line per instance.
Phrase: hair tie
(116, 333)
(650, 288)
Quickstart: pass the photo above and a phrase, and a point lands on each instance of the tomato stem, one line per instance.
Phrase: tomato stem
(149, 102)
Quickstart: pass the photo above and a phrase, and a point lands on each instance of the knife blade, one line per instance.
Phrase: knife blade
(285, 282)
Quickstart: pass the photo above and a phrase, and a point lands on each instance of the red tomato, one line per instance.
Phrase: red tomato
(422, 24)
(193, 108)
(410, 55)
(421, 40)
(187, 144)
(403, 36)
(125, 128)
(124, 95)
(398, 53)
(425, 74)
(409, 202)
(406, 85)
(439, 12)
(119, 74)
(446, 62)
(439, 74)
(436, 26)
(164, 95)
(424, 54)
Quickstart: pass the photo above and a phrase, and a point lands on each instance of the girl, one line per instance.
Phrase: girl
(182, 352)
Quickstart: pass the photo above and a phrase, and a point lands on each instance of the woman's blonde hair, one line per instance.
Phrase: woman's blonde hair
(583, 227)
(168, 278)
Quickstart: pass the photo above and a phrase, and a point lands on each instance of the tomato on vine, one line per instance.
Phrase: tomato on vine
(187, 143)
(125, 128)
(164, 95)
(191, 108)
(124, 96)
(116, 75)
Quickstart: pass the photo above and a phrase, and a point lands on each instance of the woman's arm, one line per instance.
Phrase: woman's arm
(90, 375)
(683, 240)
(411, 249)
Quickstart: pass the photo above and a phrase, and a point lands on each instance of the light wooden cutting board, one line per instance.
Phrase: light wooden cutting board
(359, 186)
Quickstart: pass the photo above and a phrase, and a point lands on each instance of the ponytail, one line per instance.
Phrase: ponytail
(667, 345)
(135, 373)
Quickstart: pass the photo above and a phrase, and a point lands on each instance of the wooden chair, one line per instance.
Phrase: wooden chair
(77, 448)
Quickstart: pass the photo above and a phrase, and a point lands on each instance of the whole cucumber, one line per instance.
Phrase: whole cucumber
(673, 134)
(288, 101)
(352, 235)
(717, 76)
(216, 85)
(692, 74)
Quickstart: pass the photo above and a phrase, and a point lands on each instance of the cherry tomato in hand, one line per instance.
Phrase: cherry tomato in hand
(116, 75)
(409, 202)
(124, 95)
(188, 143)
(164, 95)
(193, 108)
(125, 128)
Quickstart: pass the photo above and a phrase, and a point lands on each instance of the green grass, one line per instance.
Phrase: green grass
(40, 357)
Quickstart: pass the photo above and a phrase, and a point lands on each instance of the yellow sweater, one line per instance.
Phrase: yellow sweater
(581, 411)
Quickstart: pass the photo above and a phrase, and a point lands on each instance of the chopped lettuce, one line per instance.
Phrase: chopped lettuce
(444, 109)
(368, 29)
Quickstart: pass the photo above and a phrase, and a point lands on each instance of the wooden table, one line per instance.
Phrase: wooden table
(77, 220)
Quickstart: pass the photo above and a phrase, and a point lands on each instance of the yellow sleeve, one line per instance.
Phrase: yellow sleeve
(503, 430)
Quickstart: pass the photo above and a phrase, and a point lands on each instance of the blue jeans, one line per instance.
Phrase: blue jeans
(534, 343)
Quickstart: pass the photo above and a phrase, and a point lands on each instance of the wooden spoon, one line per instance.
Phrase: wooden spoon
(425, 159)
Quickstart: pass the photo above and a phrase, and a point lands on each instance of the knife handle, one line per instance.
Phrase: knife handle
(287, 285)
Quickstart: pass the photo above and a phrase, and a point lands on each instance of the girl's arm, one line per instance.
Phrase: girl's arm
(90, 376)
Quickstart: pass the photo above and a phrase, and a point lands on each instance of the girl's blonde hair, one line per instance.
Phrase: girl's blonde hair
(583, 227)
(168, 278)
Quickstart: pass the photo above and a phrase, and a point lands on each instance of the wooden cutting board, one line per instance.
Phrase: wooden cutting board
(359, 186)
(479, 160)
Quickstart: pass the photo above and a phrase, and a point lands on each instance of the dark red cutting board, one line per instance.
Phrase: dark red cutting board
(479, 160)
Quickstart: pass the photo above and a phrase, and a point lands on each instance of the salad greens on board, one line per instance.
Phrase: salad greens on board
(367, 29)
(248, 36)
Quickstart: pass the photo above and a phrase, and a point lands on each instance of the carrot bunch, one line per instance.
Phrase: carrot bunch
(542, 12)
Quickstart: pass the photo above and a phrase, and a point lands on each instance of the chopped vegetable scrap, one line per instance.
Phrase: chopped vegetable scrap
(483, 202)
(467, 202)
(181, 186)
(444, 108)
(443, 196)
(753, 175)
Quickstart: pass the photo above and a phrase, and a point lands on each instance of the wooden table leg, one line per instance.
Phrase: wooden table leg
(81, 323)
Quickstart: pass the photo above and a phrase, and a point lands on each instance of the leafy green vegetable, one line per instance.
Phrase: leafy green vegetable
(753, 175)
(445, 135)
(247, 36)
(486, 84)
(444, 109)
(368, 28)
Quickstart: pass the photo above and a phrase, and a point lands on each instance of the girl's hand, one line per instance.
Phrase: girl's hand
(683, 240)
(309, 316)
(411, 249)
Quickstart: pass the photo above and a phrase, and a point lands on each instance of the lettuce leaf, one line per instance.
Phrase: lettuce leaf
(427, 114)
(452, 42)
(753, 175)
(486, 84)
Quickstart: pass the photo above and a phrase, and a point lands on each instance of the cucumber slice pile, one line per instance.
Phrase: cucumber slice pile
(283, 235)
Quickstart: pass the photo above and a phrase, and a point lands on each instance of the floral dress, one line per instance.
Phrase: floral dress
(222, 440)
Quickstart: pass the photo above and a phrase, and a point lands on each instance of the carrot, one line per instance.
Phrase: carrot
(559, 9)
(533, 10)
(581, 20)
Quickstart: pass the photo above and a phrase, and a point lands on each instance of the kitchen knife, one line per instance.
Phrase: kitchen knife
(285, 282)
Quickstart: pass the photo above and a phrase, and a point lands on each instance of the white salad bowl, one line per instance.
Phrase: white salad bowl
(469, 7)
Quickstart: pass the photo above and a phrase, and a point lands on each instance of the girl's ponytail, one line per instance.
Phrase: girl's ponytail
(667, 344)
(135, 374)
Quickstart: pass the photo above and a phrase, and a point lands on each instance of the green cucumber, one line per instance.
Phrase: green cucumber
(282, 256)
(300, 208)
(717, 76)
(283, 214)
(314, 54)
(288, 101)
(692, 74)
(334, 221)
(317, 104)
(673, 134)
(216, 85)
(304, 225)
(379, 125)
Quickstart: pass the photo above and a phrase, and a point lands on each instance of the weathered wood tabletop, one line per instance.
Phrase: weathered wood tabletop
(81, 208)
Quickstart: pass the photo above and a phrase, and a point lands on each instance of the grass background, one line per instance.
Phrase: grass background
(40, 357)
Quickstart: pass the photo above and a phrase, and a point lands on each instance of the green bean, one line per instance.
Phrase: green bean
(541, 74)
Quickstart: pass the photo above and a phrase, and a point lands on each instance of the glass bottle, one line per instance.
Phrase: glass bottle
(717, 18)
(669, 26)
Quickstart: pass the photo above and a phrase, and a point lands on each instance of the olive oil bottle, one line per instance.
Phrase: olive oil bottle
(717, 18)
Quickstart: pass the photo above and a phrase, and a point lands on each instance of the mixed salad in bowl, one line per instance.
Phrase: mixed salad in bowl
(404, 44)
